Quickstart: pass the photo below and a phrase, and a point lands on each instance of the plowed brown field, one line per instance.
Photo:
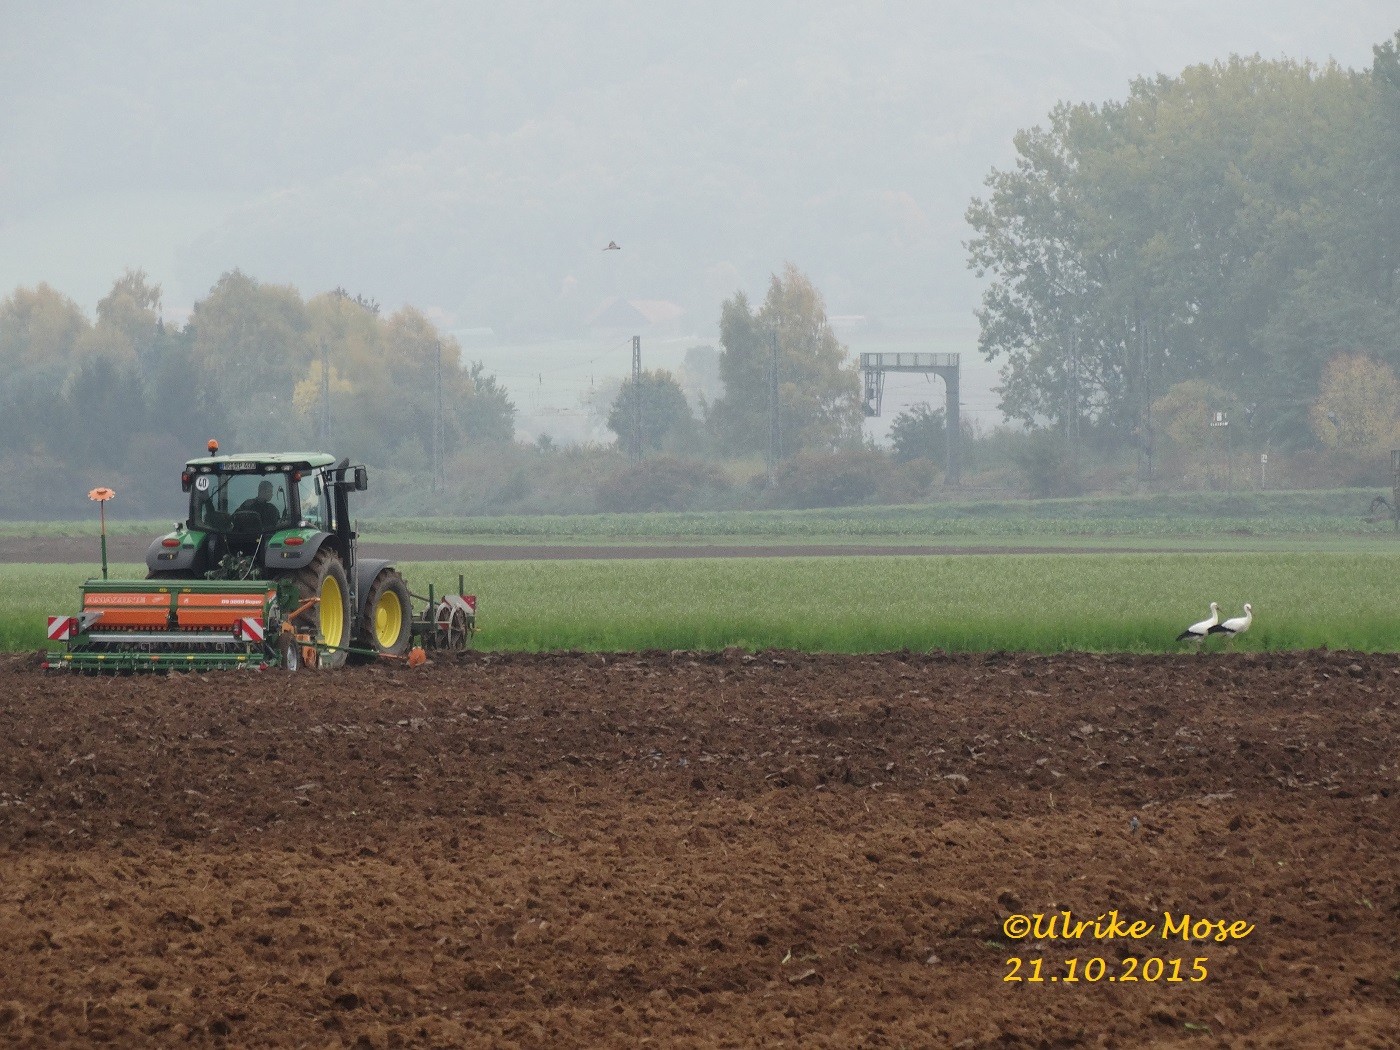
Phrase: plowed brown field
(698, 850)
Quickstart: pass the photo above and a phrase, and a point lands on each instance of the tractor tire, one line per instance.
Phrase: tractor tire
(330, 618)
(386, 624)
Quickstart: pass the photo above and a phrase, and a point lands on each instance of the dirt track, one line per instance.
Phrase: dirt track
(67, 550)
(699, 850)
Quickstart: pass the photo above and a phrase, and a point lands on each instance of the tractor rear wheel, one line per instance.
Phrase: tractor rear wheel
(387, 623)
(324, 578)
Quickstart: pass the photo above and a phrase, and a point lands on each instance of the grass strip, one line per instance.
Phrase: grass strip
(1036, 603)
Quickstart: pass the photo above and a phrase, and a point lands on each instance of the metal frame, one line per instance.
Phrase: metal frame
(947, 366)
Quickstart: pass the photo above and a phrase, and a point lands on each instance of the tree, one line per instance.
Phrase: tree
(598, 400)
(699, 377)
(413, 347)
(487, 414)
(390, 414)
(314, 386)
(128, 318)
(32, 412)
(1358, 404)
(102, 401)
(667, 423)
(131, 394)
(1185, 413)
(353, 334)
(39, 327)
(252, 340)
(1217, 224)
(739, 418)
(182, 391)
(818, 387)
(1032, 231)
(920, 432)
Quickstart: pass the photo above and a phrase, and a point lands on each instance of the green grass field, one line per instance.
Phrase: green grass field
(1178, 520)
(1042, 603)
(1184, 519)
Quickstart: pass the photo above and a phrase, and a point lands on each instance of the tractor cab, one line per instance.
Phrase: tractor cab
(268, 512)
(249, 498)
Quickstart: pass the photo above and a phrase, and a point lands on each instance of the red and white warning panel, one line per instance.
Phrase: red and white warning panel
(62, 628)
(249, 629)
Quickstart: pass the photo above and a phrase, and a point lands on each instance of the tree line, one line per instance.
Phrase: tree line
(255, 365)
(1236, 227)
(788, 384)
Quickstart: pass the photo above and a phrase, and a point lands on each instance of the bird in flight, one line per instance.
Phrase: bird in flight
(1237, 624)
(1198, 631)
(613, 246)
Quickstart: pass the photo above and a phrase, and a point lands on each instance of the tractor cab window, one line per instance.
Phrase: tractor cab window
(258, 502)
(239, 503)
(313, 503)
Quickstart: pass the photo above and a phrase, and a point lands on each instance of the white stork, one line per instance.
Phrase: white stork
(1236, 624)
(1197, 631)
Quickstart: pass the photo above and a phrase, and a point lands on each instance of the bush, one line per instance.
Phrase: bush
(1046, 466)
(664, 483)
(911, 482)
(1328, 468)
(917, 433)
(832, 479)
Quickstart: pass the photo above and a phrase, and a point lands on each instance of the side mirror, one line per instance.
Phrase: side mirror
(320, 487)
(186, 479)
(361, 479)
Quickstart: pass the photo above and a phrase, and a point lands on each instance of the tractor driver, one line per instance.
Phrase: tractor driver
(263, 506)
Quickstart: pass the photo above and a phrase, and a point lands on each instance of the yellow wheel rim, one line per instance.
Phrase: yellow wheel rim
(388, 620)
(332, 612)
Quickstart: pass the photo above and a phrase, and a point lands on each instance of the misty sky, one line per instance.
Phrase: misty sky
(473, 158)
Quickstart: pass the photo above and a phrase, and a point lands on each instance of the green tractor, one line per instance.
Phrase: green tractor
(264, 571)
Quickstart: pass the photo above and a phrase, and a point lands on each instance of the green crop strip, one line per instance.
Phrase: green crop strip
(1183, 517)
(1040, 603)
(1044, 603)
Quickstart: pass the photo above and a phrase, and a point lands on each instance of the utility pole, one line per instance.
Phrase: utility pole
(1221, 421)
(952, 421)
(637, 398)
(1145, 438)
(1072, 383)
(324, 425)
(774, 437)
(439, 431)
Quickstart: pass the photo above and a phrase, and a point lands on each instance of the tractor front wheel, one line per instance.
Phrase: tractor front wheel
(388, 615)
(325, 579)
